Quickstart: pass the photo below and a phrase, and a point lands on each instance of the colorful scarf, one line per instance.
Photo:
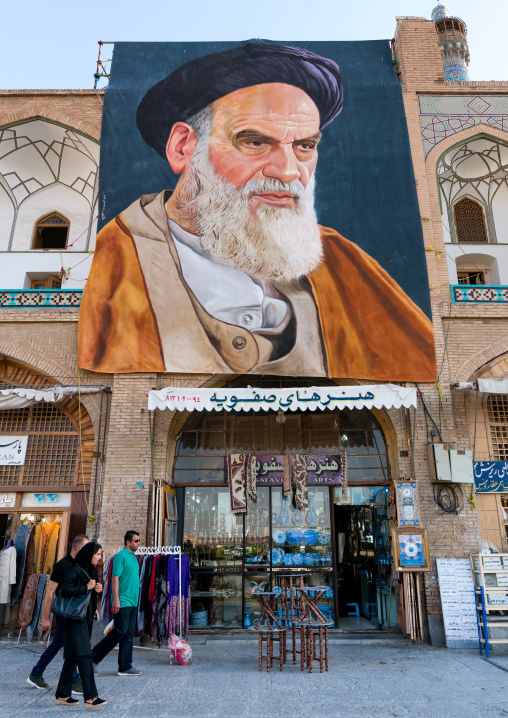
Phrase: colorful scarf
(173, 607)
(26, 606)
(30, 557)
(343, 471)
(251, 478)
(38, 600)
(20, 542)
(300, 475)
(236, 481)
(286, 468)
(106, 614)
(140, 621)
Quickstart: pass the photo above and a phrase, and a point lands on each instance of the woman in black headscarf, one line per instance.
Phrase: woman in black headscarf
(81, 579)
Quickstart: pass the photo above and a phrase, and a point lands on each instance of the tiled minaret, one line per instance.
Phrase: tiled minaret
(452, 43)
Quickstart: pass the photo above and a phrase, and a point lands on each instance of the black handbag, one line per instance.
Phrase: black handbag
(73, 607)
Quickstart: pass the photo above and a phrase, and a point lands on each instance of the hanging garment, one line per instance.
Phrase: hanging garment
(37, 607)
(300, 476)
(41, 612)
(106, 592)
(236, 481)
(7, 573)
(26, 607)
(46, 540)
(159, 578)
(286, 471)
(20, 542)
(144, 578)
(173, 609)
(250, 469)
(30, 557)
(162, 601)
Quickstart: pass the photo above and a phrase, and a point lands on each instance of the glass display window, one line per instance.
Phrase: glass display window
(216, 600)
(212, 533)
(257, 531)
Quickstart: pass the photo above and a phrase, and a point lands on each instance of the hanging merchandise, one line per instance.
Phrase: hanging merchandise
(7, 573)
(251, 478)
(27, 604)
(300, 477)
(41, 585)
(236, 481)
(21, 539)
(46, 541)
(286, 464)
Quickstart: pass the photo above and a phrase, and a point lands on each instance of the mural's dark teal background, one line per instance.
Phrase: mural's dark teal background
(365, 184)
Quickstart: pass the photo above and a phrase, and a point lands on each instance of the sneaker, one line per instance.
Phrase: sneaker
(97, 703)
(131, 672)
(77, 687)
(37, 682)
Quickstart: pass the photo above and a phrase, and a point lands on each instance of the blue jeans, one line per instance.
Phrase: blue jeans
(51, 651)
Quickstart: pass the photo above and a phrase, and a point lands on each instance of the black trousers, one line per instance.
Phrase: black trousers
(121, 635)
(85, 667)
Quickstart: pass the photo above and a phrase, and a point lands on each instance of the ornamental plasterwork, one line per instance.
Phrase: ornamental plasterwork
(477, 169)
(442, 116)
(38, 154)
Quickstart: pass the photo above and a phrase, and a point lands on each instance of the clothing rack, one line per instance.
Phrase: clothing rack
(175, 551)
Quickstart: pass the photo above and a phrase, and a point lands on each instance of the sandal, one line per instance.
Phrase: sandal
(97, 703)
(67, 701)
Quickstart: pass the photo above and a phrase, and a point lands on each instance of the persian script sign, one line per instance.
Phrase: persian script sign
(321, 470)
(491, 477)
(13, 450)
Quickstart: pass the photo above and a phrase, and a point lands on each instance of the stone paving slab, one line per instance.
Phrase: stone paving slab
(367, 679)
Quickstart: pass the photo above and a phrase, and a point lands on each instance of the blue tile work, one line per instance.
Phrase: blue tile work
(468, 293)
(442, 116)
(20, 298)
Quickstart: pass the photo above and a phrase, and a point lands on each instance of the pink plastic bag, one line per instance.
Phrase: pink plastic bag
(180, 650)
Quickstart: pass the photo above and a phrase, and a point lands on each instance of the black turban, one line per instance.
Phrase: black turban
(198, 83)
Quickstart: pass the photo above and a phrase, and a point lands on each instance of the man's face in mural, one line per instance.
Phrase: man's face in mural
(246, 185)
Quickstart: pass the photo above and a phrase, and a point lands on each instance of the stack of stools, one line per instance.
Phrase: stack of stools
(270, 630)
(313, 626)
(292, 605)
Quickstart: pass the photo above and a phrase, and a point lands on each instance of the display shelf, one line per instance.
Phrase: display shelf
(490, 573)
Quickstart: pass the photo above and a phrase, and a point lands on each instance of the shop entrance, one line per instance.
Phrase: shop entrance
(365, 595)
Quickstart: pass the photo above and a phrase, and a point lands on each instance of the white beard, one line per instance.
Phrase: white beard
(276, 243)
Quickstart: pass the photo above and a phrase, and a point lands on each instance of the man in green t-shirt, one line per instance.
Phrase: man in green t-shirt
(125, 590)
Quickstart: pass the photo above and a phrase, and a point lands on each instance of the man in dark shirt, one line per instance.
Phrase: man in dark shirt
(60, 570)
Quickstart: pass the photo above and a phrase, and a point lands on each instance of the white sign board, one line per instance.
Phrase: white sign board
(12, 450)
(46, 501)
(458, 602)
(386, 396)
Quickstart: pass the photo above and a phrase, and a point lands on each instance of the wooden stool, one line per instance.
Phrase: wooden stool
(271, 636)
(314, 644)
(292, 605)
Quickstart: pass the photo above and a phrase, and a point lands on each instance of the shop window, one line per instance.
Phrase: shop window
(471, 277)
(52, 282)
(470, 221)
(497, 408)
(51, 232)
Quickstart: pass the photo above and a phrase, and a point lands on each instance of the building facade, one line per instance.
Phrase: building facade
(123, 466)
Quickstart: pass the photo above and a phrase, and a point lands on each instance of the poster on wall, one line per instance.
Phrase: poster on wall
(13, 450)
(410, 546)
(257, 214)
(458, 602)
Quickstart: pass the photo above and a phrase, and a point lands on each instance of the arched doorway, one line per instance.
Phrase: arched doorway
(341, 541)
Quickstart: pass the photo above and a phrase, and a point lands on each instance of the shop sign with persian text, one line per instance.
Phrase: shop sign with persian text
(321, 470)
(491, 477)
(13, 450)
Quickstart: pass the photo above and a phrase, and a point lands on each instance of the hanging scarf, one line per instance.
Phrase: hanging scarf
(38, 600)
(40, 632)
(286, 469)
(300, 475)
(140, 621)
(26, 606)
(157, 580)
(30, 556)
(106, 592)
(236, 481)
(173, 609)
(52, 531)
(251, 478)
(343, 471)
(20, 542)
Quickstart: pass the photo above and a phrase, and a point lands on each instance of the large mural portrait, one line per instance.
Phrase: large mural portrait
(258, 214)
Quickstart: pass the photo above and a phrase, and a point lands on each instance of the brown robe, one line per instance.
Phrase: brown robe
(370, 329)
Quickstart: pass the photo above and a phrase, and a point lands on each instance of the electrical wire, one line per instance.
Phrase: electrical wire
(449, 498)
(427, 412)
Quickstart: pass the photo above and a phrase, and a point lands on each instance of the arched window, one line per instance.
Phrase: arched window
(470, 221)
(497, 407)
(51, 232)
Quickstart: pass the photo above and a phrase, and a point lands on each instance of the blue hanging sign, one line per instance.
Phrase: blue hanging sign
(491, 477)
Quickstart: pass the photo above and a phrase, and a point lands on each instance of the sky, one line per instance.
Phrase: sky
(54, 44)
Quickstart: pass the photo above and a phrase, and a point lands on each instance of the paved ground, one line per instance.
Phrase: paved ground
(368, 678)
